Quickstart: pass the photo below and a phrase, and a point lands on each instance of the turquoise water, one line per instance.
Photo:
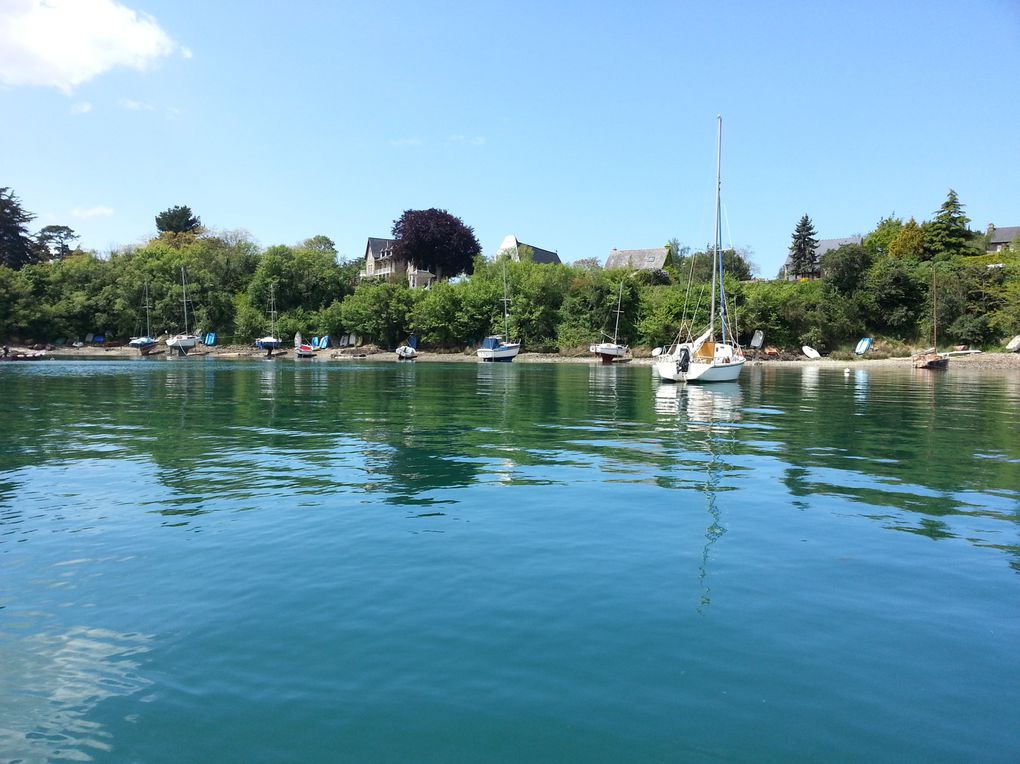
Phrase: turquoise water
(269, 561)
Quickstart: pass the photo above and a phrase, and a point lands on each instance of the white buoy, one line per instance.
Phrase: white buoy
(846, 370)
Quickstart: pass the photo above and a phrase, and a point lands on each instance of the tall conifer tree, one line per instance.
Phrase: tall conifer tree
(803, 260)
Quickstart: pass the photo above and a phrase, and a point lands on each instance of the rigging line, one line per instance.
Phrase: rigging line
(729, 233)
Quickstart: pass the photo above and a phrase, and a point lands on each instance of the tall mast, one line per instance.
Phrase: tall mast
(272, 309)
(619, 303)
(506, 308)
(716, 264)
(148, 328)
(184, 299)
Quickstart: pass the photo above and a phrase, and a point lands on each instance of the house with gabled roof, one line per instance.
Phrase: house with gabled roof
(382, 261)
(1000, 238)
(653, 259)
(514, 246)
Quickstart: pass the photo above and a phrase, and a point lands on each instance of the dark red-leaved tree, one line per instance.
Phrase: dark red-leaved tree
(436, 240)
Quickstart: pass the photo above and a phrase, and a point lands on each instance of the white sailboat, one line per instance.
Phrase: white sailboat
(147, 342)
(611, 351)
(270, 342)
(184, 341)
(302, 349)
(496, 347)
(703, 359)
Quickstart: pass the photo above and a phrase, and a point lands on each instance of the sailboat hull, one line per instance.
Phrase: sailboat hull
(717, 371)
(182, 342)
(502, 354)
(608, 352)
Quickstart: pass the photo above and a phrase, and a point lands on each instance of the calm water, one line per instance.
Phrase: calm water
(265, 561)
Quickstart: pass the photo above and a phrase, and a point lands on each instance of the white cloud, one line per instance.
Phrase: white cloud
(90, 213)
(130, 105)
(477, 140)
(81, 108)
(63, 43)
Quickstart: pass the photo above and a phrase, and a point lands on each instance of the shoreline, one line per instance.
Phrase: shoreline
(373, 355)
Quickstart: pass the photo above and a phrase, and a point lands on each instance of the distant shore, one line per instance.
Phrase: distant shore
(373, 354)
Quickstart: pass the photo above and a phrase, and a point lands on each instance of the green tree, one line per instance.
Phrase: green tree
(178, 219)
(876, 243)
(379, 311)
(436, 240)
(54, 241)
(16, 246)
(437, 316)
(896, 293)
(947, 234)
(844, 268)
(803, 261)
(908, 243)
(320, 243)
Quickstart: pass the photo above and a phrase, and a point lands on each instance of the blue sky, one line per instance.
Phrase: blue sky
(578, 126)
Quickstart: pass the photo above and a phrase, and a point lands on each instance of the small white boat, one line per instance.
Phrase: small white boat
(497, 347)
(700, 360)
(409, 350)
(703, 359)
(494, 348)
(302, 349)
(270, 342)
(184, 341)
(146, 343)
(612, 351)
(1014, 345)
(810, 352)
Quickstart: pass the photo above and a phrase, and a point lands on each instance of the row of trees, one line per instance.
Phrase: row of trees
(881, 287)
(945, 236)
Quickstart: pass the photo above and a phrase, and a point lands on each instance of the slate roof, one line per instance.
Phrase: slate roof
(637, 259)
(378, 246)
(1004, 235)
(539, 255)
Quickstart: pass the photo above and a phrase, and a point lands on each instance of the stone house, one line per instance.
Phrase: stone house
(1000, 238)
(381, 261)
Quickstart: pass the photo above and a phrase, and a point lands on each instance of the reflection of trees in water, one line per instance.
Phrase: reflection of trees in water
(214, 433)
(937, 447)
(53, 681)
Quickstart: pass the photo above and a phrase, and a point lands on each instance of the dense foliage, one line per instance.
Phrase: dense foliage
(436, 241)
(178, 219)
(882, 287)
(17, 248)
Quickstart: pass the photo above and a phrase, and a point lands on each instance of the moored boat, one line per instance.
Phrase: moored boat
(184, 341)
(703, 359)
(147, 342)
(609, 352)
(498, 347)
(270, 342)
